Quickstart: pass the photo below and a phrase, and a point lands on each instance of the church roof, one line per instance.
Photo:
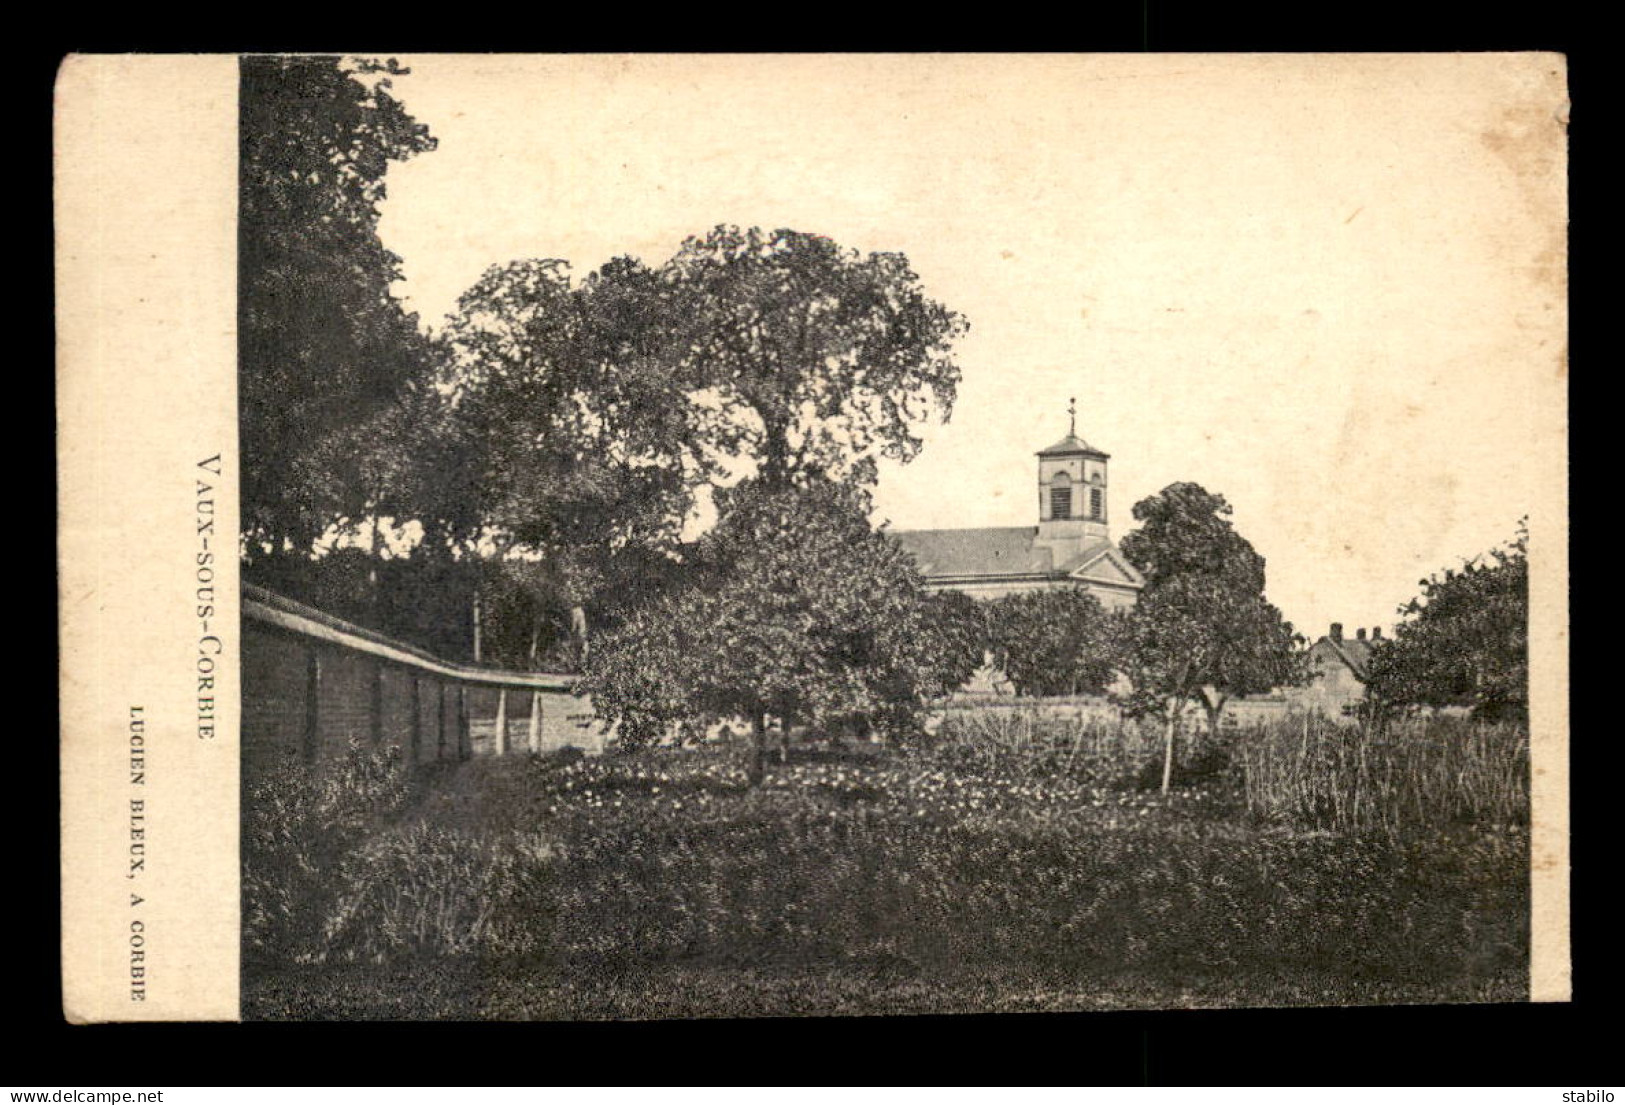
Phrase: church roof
(1004, 550)
(1070, 444)
(1001, 551)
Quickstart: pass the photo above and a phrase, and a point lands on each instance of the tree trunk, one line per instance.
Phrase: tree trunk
(1168, 744)
(476, 626)
(775, 467)
(758, 751)
(376, 603)
(578, 630)
(533, 735)
(1215, 711)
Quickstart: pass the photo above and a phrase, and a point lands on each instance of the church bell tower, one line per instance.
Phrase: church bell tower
(1072, 501)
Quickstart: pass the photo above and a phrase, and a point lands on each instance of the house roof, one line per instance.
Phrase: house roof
(1351, 652)
(1006, 551)
(1069, 444)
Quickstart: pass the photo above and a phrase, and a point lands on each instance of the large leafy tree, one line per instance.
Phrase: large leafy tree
(797, 609)
(1464, 640)
(1202, 630)
(574, 443)
(819, 360)
(590, 415)
(1052, 642)
(812, 362)
(326, 352)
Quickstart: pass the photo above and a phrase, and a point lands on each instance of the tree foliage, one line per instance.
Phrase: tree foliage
(819, 359)
(573, 441)
(1052, 642)
(422, 599)
(1464, 640)
(325, 349)
(957, 625)
(795, 609)
(1202, 630)
(588, 416)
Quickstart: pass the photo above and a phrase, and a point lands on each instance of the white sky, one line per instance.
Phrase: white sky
(1329, 288)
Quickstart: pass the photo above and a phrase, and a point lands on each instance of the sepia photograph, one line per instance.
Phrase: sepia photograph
(807, 535)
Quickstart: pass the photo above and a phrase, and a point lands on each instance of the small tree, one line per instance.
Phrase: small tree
(957, 628)
(1202, 630)
(1464, 641)
(797, 610)
(1052, 642)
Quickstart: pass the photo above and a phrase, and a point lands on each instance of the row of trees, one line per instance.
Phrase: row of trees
(1203, 632)
(547, 448)
(794, 608)
(540, 459)
(800, 611)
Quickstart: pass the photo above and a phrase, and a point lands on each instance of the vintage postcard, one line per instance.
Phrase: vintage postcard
(650, 537)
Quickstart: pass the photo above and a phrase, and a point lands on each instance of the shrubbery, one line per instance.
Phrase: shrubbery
(303, 835)
(535, 874)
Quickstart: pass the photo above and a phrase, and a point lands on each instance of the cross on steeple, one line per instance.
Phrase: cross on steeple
(1072, 410)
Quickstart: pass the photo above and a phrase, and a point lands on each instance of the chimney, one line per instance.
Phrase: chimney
(1337, 631)
(1359, 634)
(1376, 633)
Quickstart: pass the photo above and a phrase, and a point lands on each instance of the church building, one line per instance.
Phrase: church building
(1070, 547)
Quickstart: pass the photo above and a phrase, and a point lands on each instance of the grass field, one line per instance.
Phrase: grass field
(1017, 869)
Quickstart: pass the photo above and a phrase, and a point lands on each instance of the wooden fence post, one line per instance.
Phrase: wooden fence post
(313, 692)
(375, 707)
(502, 721)
(440, 715)
(535, 734)
(416, 731)
(465, 743)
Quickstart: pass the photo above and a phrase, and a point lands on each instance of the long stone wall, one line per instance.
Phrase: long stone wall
(1254, 710)
(313, 684)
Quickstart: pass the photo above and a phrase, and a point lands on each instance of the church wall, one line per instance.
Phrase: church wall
(1110, 597)
(1113, 599)
(993, 589)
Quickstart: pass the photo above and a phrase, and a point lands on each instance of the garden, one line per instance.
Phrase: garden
(1009, 862)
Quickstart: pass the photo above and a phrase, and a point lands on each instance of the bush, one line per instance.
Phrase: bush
(852, 890)
(424, 891)
(299, 832)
